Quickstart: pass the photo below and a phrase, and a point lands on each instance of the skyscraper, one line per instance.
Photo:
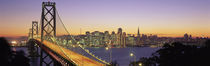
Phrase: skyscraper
(119, 36)
(106, 37)
(124, 39)
(88, 37)
(113, 38)
(138, 34)
(186, 36)
(138, 37)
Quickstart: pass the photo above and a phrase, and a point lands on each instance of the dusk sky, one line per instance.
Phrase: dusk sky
(171, 18)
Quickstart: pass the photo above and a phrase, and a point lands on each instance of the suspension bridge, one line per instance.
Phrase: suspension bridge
(44, 43)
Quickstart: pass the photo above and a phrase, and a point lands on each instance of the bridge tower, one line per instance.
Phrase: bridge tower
(30, 33)
(48, 29)
(34, 28)
(48, 20)
(33, 49)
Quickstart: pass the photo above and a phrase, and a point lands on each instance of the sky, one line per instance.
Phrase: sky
(168, 18)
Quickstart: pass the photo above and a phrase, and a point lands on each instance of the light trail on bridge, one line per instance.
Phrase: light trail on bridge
(78, 59)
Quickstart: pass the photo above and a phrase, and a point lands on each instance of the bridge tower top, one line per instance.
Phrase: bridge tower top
(48, 3)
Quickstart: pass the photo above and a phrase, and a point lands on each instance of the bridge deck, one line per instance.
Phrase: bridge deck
(78, 59)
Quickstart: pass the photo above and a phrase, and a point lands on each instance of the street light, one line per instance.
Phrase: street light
(107, 48)
(140, 64)
(110, 54)
(132, 55)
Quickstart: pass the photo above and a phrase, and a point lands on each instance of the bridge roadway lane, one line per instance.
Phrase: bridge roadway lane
(78, 59)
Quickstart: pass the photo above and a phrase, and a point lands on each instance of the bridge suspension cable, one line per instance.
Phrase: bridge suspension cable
(86, 50)
(47, 25)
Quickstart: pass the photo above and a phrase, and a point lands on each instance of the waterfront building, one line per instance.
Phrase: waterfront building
(124, 39)
(119, 37)
(106, 37)
(113, 38)
(88, 38)
(130, 40)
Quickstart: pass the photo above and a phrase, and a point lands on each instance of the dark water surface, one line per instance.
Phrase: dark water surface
(121, 55)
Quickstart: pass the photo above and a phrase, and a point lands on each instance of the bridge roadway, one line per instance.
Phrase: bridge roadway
(78, 59)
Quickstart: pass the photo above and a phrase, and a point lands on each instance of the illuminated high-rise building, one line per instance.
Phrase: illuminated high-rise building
(106, 37)
(119, 37)
(113, 38)
(88, 38)
(123, 39)
(130, 40)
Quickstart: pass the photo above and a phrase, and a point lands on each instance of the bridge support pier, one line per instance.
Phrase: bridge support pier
(33, 49)
(46, 59)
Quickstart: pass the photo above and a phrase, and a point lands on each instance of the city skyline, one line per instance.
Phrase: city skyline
(163, 18)
(104, 32)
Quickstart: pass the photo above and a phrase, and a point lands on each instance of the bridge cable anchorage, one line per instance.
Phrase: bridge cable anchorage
(79, 44)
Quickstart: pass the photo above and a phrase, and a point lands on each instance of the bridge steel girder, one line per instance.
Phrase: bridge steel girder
(48, 28)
